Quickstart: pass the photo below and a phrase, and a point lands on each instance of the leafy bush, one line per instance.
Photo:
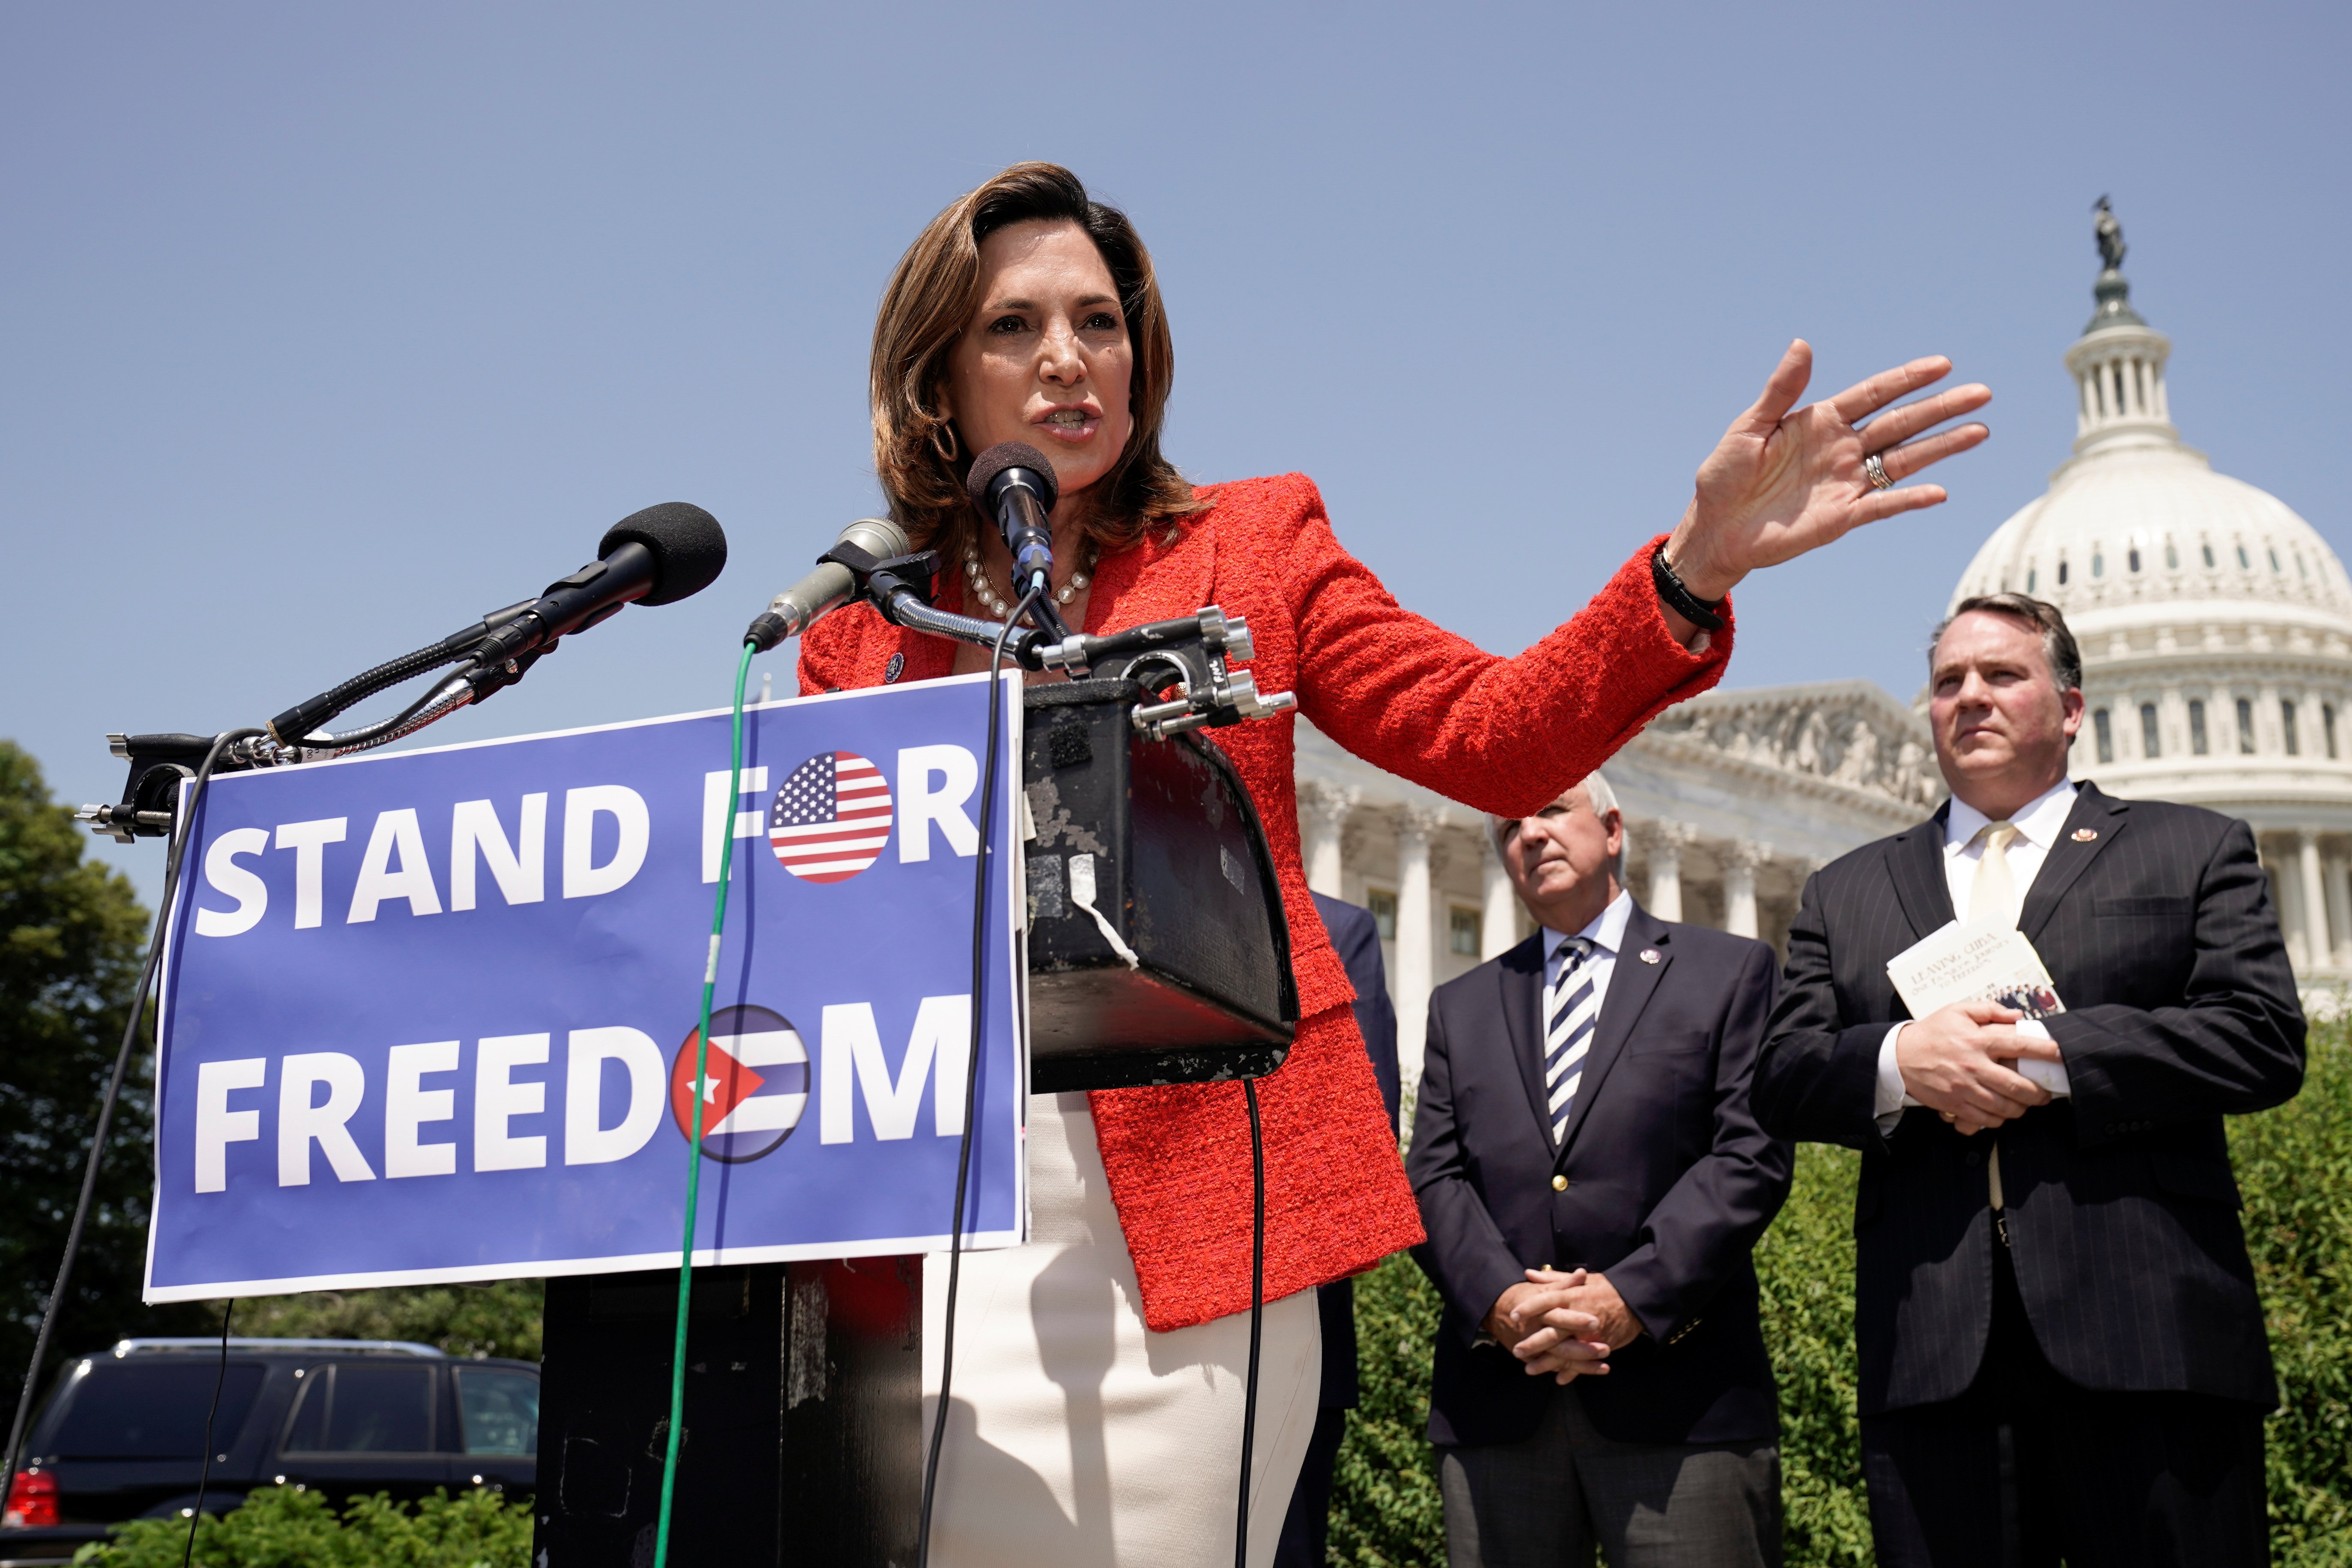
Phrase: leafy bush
(2295, 1166)
(287, 1527)
(1384, 1504)
(1805, 1267)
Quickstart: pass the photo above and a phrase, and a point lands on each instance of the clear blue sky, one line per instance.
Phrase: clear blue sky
(325, 327)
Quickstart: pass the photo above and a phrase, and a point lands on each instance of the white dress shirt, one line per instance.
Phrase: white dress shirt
(1607, 934)
(2038, 825)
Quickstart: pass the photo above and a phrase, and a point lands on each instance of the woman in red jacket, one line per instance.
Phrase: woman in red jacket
(1095, 1416)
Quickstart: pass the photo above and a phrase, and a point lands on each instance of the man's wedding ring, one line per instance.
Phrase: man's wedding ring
(1875, 471)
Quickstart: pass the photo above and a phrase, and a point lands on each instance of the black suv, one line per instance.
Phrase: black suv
(121, 1436)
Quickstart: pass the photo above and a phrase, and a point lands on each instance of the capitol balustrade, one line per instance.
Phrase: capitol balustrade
(1731, 801)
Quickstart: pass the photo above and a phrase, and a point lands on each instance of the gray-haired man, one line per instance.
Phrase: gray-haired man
(1592, 1185)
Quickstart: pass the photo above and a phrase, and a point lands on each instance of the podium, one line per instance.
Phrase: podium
(804, 1439)
(802, 1442)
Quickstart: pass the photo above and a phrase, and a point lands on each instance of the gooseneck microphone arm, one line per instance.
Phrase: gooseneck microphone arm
(656, 556)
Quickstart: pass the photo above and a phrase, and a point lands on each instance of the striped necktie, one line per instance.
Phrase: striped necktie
(1570, 1006)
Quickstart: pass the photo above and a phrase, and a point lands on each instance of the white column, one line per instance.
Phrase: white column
(2314, 902)
(1664, 841)
(1498, 919)
(2339, 909)
(1740, 862)
(1416, 939)
(2286, 892)
(1323, 811)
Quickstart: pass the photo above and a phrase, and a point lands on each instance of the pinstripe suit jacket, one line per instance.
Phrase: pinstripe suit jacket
(2155, 923)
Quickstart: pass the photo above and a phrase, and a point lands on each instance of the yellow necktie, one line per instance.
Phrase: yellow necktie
(1993, 896)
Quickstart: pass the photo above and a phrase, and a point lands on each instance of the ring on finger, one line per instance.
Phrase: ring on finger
(1952, 1116)
(1876, 472)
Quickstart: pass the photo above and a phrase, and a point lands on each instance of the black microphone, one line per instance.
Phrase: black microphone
(828, 587)
(1013, 486)
(656, 556)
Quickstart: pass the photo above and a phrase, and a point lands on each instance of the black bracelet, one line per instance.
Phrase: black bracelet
(1678, 597)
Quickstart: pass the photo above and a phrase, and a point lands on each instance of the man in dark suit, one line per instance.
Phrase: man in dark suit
(1584, 1105)
(1357, 937)
(2062, 1352)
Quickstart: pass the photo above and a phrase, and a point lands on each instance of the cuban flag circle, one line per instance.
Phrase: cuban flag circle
(754, 1087)
(831, 818)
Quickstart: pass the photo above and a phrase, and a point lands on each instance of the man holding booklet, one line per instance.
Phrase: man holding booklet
(2061, 1352)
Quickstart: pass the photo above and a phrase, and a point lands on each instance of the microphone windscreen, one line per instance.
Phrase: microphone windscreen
(689, 547)
(1009, 455)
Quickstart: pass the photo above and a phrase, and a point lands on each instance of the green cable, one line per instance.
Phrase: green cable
(693, 1129)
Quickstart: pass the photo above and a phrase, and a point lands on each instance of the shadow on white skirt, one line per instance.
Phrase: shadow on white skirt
(1075, 1435)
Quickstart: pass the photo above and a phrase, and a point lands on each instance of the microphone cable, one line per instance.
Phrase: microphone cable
(694, 1133)
(971, 1074)
(204, 1475)
(1257, 1314)
(181, 828)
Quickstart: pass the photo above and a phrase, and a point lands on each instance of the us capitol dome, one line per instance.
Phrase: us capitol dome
(2215, 624)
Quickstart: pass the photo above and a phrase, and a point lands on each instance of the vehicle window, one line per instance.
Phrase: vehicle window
(358, 1409)
(499, 1409)
(152, 1409)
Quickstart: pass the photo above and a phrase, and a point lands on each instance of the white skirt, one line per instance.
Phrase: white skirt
(1075, 1435)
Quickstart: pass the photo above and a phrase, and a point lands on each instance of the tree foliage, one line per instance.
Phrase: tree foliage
(72, 940)
(497, 1318)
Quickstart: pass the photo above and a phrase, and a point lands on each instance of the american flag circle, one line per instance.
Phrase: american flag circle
(831, 818)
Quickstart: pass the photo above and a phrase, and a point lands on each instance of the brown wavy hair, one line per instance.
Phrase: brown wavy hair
(933, 294)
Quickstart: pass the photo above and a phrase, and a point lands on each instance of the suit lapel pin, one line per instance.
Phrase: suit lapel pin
(892, 670)
(2085, 835)
(1649, 955)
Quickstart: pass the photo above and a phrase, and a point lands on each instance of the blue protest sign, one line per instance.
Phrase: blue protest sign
(430, 1016)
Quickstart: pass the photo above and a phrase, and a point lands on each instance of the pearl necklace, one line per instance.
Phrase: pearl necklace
(985, 591)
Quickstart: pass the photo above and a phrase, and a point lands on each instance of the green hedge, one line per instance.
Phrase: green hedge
(289, 1527)
(2295, 1166)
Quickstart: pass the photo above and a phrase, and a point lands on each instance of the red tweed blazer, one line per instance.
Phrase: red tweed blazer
(1500, 735)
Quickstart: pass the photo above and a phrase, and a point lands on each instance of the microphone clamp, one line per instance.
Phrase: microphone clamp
(1192, 655)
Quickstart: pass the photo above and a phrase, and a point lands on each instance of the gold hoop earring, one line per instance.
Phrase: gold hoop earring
(951, 449)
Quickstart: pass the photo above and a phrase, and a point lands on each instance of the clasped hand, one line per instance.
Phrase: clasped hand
(1959, 1062)
(1566, 1324)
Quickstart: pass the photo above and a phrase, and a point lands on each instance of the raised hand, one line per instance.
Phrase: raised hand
(1785, 480)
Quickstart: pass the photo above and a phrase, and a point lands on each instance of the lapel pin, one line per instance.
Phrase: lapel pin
(892, 670)
(2085, 835)
(1649, 955)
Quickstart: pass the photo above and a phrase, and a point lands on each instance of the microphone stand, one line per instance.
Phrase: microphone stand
(159, 762)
